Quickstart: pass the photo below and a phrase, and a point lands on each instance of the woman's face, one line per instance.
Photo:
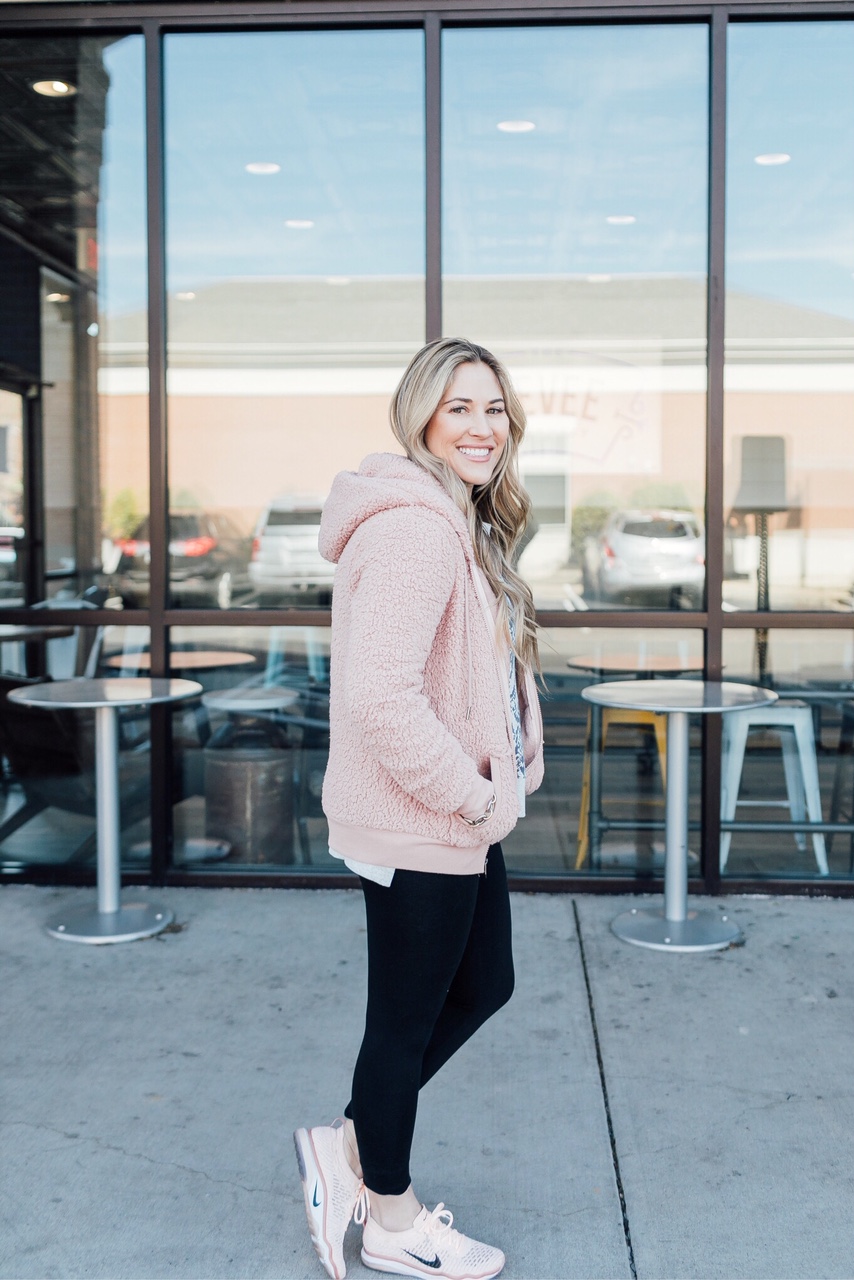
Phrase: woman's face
(470, 427)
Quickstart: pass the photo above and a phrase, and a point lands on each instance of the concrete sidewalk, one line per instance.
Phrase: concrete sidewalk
(149, 1091)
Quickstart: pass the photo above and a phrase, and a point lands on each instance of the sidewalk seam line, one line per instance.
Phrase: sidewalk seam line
(615, 1159)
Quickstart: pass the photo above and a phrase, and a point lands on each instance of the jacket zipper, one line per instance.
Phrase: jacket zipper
(487, 612)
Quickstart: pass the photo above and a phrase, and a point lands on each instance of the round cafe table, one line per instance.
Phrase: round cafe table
(675, 928)
(635, 663)
(183, 660)
(112, 922)
(643, 666)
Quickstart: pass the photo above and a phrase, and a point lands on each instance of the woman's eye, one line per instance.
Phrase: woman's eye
(458, 408)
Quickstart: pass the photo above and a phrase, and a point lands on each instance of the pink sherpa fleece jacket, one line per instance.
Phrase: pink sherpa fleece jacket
(419, 712)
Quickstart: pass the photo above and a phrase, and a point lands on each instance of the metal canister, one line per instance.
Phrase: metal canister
(249, 795)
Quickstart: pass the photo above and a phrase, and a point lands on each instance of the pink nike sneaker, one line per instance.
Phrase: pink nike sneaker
(430, 1248)
(330, 1188)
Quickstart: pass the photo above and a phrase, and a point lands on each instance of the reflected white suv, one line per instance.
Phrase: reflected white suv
(647, 553)
(285, 560)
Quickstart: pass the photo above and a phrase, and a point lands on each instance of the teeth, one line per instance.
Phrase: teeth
(474, 453)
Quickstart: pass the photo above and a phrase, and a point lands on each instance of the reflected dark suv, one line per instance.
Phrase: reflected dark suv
(208, 561)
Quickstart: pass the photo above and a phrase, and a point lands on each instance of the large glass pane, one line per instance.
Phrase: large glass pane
(72, 313)
(792, 766)
(47, 812)
(250, 755)
(790, 317)
(574, 245)
(295, 234)
(600, 809)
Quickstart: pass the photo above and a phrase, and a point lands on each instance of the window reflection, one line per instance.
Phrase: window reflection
(604, 815)
(47, 814)
(795, 766)
(295, 224)
(73, 378)
(574, 245)
(251, 753)
(790, 317)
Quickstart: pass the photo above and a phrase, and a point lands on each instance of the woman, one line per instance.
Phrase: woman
(436, 738)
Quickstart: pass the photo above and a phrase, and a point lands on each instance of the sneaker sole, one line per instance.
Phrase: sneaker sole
(396, 1268)
(312, 1178)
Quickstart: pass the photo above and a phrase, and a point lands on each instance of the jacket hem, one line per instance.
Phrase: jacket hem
(405, 851)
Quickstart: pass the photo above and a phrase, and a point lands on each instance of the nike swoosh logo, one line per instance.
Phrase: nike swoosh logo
(436, 1263)
(314, 1199)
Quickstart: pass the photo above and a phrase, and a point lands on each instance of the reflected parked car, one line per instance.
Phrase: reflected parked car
(285, 559)
(649, 554)
(11, 541)
(208, 561)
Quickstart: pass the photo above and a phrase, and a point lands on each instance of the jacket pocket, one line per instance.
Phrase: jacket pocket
(502, 770)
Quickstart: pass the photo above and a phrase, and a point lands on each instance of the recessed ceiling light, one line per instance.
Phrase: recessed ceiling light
(621, 219)
(599, 279)
(263, 166)
(772, 157)
(187, 296)
(299, 224)
(58, 297)
(516, 126)
(55, 88)
(93, 330)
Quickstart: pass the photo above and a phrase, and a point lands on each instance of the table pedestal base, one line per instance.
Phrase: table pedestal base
(132, 921)
(701, 931)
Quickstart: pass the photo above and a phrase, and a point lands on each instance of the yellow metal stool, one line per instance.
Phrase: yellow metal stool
(615, 715)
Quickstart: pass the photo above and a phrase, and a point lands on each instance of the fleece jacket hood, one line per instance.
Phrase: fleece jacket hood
(383, 482)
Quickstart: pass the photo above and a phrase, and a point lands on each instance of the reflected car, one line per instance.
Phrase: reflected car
(208, 561)
(285, 560)
(11, 541)
(651, 554)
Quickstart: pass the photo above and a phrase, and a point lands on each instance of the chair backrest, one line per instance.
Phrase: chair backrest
(37, 743)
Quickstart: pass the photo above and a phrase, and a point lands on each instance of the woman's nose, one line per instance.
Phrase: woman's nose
(479, 425)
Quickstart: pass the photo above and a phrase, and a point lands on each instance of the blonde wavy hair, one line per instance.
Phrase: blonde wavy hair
(501, 503)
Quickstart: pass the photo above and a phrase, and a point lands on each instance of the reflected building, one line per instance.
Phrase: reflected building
(218, 252)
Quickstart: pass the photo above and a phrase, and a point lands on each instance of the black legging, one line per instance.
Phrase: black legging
(440, 963)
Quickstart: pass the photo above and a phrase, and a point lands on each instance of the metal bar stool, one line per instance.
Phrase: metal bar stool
(799, 765)
(615, 715)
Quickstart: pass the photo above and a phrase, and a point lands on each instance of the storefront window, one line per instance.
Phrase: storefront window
(789, 452)
(250, 754)
(602, 811)
(47, 817)
(574, 245)
(792, 764)
(73, 353)
(295, 235)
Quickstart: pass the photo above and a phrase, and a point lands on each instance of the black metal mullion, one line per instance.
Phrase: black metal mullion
(161, 738)
(712, 729)
(433, 172)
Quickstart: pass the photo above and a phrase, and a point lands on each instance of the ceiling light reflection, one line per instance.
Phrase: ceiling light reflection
(772, 157)
(516, 126)
(621, 219)
(299, 224)
(55, 88)
(263, 166)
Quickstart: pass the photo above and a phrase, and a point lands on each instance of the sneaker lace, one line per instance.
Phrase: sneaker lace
(363, 1206)
(440, 1227)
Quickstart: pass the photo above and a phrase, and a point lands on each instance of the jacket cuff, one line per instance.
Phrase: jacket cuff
(477, 800)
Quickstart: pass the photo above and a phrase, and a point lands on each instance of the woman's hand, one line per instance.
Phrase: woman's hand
(478, 800)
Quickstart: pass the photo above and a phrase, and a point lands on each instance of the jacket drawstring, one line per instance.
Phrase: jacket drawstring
(467, 625)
